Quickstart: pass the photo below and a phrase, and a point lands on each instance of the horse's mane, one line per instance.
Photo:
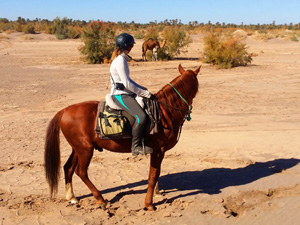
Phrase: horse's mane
(186, 84)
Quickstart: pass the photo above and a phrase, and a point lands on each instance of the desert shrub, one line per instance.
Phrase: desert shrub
(138, 35)
(99, 42)
(177, 39)
(149, 54)
(18, 27)
(151, 32)
(162, 54)
(241, 34)
(28, 29)
(294, 38)
(4, 20)
(74, 32)
(5, 25)
(262, 35)
(60, 28)
(49, 29)
(225, 51)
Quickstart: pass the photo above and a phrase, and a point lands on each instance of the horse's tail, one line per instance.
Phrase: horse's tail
(52, 153)
(143, 48)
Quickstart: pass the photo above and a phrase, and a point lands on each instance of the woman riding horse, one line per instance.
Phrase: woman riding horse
(124, 90)
(77, 123)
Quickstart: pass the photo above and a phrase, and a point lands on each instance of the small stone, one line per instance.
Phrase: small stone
(167, 214)
(177, 214)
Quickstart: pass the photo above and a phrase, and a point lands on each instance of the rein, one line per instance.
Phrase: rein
(188, 115)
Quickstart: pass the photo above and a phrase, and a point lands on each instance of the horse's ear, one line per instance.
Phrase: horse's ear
(180, 68)
(197, 70)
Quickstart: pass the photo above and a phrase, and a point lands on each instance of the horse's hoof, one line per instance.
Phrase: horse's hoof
(150, 208)
(74, 200)
(102, 205)
(159, 194)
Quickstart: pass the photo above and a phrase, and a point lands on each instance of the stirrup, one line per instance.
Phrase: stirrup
(139, 150)
(148, 150)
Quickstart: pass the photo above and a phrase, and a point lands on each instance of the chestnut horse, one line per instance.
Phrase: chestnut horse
(77, 123)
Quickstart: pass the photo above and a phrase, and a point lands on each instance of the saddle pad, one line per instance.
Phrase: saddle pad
(152, 111)
(111, 124)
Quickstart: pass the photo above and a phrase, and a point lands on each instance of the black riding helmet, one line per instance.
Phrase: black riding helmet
(124, 40)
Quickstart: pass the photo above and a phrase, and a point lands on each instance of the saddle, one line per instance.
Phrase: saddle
(114, 123)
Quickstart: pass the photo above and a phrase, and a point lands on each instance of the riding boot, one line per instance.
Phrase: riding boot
(137, 143)
(136, 147)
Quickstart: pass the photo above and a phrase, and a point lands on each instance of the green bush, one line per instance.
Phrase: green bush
(74, 32)
(18, 27)
(294, 38)
(60, 28)
(138, 35)
(177, 39)
(5, 26)
(162, 54)
(151, 32)
(29, 29)
(99, 42)
(49, 29)
(149, 54)
(225, 51)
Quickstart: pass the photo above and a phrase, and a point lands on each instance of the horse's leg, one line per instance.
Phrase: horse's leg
(155, 165)
(69, 169)
(84, 159)
(156, 189)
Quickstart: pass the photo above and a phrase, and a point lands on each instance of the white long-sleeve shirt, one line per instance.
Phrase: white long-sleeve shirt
(119, 71)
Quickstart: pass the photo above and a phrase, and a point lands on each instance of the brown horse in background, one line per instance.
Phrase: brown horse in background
(77, 123)
(149, 45)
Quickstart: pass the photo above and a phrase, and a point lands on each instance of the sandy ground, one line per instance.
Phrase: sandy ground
(237, 161)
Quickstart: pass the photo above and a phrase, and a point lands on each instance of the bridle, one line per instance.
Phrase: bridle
(187, 116)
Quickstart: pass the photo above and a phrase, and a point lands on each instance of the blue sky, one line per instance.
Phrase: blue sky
(139, 11)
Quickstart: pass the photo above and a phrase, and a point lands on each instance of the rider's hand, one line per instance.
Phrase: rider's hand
(153, 97)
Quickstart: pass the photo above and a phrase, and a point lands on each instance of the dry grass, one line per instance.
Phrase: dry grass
(240, 34)
(8, 31)
(288, 35)
(26, 38)
(3, 36)
(262, 35)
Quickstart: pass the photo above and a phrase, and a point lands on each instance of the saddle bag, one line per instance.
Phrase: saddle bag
(112, 124)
